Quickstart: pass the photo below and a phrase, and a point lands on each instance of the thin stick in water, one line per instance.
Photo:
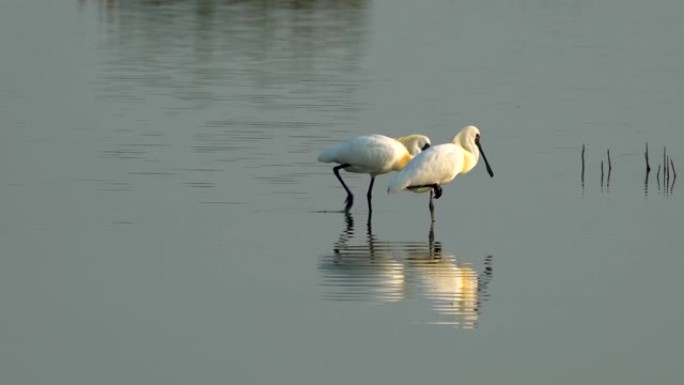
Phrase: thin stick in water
(610, 164)
(582, 167)
(610, 168)
(674, 172)
(648, 171)
(664, 162)
(674, 176)
(667, 173)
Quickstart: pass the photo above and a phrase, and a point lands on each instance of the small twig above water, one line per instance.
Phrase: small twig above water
(601, 175)
(667, 173)
(648, 171)
(583, 168)
(664, 162)
(674, 176)
(610, 168)
(674, 172)
(610, 164)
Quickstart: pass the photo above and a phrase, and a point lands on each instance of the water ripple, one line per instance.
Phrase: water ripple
(371, 270)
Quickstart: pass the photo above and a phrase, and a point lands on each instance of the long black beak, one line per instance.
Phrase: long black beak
(489, 168)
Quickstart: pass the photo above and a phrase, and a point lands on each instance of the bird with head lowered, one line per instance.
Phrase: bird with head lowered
(373, 155)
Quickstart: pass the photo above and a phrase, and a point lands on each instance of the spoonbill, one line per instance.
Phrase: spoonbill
(439, 165)
(374, 155)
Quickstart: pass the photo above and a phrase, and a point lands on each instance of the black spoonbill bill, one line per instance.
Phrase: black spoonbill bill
(440, 164)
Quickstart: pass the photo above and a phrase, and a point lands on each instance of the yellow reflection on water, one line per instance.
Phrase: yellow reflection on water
(454, 288)
(366, 269)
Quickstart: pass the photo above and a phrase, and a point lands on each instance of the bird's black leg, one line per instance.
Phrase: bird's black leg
(435, 187)
(432, 208)
(369, 194)
(438, 190)
(350, 197)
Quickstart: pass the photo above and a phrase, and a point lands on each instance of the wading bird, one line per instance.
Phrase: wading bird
(440, 164)
(374, 155)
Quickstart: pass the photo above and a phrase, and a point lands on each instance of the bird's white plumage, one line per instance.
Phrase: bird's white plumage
(439, 164)
(371, 154)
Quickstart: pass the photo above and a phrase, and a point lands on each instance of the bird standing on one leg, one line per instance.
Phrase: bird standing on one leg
(439, 165)
(374, 155)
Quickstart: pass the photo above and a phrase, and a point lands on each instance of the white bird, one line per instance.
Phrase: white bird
(374, 155)
(439, 165)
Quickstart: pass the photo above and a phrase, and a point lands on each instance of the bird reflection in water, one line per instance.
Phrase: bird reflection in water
(365, 272)
(455, 288)
(382, 271)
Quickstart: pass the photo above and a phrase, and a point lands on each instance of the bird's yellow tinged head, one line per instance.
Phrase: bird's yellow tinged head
(469, 139)
(415, 143)
(466, 136)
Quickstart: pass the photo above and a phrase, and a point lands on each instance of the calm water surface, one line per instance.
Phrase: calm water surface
(164, 220)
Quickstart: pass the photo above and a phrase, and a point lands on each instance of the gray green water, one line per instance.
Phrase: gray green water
(164, 220)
